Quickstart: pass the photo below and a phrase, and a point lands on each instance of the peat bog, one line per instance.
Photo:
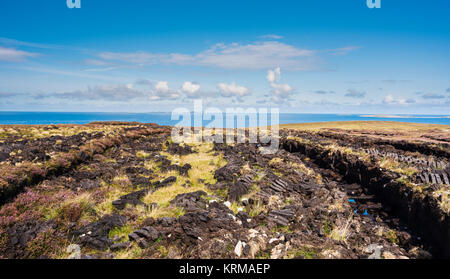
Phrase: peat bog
(126, 190)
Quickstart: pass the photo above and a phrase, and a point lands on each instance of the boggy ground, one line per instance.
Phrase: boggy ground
(125, 190)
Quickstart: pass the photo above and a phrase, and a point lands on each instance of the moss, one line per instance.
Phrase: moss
(134, 252)
(163, 251)
(142, 155)
(392, 236)
(306, 253)
(222, 193)
(229, 247)
(158, 240)
(281, 229)
(263, 255)
(121, 232)
(327, 227)
(256, 209)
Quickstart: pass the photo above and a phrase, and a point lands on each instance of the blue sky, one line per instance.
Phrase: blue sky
(321, 56)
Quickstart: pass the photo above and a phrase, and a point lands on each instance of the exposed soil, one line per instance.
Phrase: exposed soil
(125, 190)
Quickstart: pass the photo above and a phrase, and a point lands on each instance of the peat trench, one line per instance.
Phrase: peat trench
(373, 190)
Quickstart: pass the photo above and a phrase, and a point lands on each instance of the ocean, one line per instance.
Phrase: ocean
(43, 118)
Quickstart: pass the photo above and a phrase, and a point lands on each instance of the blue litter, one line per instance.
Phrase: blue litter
(351, 200)
(365, 212)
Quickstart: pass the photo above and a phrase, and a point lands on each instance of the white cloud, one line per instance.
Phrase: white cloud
(137, 57)
(190, 87)
(271, 36)
(257, 56)
(274, 75)
(118, 93)
(280, 92)
(143, 81)
(433, 96)
(344, 50)
(324, 92)
(260, 55)
(95, 62)
(232, 89)
(352, 93)
(14, 55)
(162, 86)
(391, 100)
(163, 92)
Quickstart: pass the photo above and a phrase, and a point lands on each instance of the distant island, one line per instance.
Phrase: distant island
(402, 116)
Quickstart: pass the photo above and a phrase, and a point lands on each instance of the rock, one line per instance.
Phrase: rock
(274, 240)
(173, 253)
(445, 177)
(165, 182)
(244, 201)
(277, 252)
(238, 249)
(152, 233)
(4, 156)
(331, 254)
(375, 249)
(246, 249)
(252, 233)
(133, 199)
(175, 148)
(166, 221)
(190, 201)
(120, 246)
(420, 253)
(142, 243)
(279, 220)
(227, 173)
(388, 255)
(75, 252)
(95, 235)
(279, 186)
(88, 184)
(184, 169)
(237, 190)
(142, 233)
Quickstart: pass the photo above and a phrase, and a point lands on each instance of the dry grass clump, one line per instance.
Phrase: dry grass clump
(395, 166)
(340, 231)
(443, 195)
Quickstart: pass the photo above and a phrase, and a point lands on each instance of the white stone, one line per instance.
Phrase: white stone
(253, 233)
(73, 248)
(227, 204)
(75, 252)
(238, 248)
